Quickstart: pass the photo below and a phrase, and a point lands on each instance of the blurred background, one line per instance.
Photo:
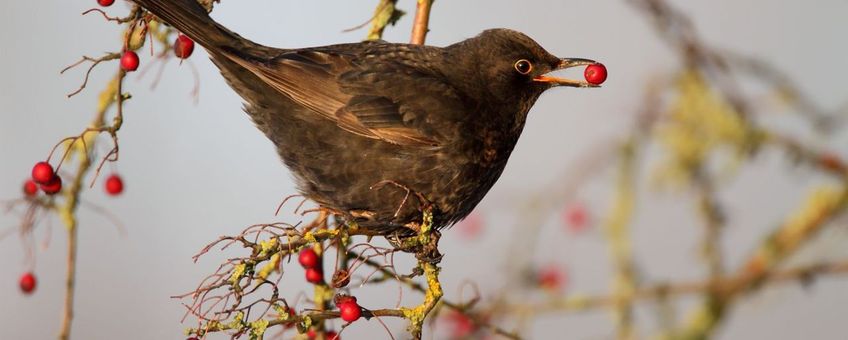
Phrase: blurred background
(557, 225)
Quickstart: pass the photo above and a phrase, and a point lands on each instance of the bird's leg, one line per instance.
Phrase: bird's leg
(423, 201)
(320, 220)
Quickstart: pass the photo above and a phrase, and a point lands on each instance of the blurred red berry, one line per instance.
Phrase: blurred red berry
(129, 61)
(42, 172)
(461, 326)
(314, 275)
(183, 46)
(30, 188)
(52, 186)
(350, 311)
(472, 226)
(114, 185)
(27, 283)
(332, 335)
(105, 3)
(831, 162)
(551, 278)
(595, 74)
(308, 258)
(576, 217)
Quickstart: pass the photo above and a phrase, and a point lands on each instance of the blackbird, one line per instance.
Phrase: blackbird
(374, 131)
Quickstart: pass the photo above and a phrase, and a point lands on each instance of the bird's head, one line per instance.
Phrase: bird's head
(512, 67)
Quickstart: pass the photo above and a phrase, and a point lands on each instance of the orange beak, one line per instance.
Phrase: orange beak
(566, 63)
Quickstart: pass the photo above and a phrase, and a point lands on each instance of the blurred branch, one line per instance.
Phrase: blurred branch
(384, 15)
(739, 284)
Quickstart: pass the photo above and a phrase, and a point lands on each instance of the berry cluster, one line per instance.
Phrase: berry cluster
(46, 178)
(183, 48)
(310, 261)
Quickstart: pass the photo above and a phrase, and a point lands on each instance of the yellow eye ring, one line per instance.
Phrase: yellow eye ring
(523, 66)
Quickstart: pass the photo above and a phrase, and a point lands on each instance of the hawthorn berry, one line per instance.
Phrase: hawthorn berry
(332, 335)
(27, 283)
(129, 61)
(308, 258)
(105, 3)
(314, 275)
(42, 172)
(30, 188)
(114, 185)
(183, 46)
(52, 186)
(350, 311)
(595, 74)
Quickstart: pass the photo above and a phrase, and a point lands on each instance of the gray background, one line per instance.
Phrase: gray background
(194, 172)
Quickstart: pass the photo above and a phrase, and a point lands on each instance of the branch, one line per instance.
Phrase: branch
(421, 22)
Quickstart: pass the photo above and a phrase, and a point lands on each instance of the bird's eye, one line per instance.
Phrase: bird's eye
(523, 66)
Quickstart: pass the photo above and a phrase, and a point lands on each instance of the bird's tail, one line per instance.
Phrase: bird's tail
(193, 20)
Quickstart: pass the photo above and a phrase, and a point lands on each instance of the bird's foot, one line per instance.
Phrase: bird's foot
(424, 243)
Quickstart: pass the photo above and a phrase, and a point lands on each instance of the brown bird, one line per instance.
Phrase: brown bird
(373, 131)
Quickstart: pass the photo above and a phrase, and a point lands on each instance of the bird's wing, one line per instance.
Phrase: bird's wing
(385, 100)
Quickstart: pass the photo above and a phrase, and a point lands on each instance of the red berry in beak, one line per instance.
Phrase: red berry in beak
(595, 74)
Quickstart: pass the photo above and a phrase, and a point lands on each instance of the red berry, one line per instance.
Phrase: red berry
(595, 73)
(183, 46)
(129, 61)
(42, 172)
(461, 326)
(350, 311)
(472, 226)
(105, 3)
(114, 185)
(30, 188)
(575, 217)
(27, 283)
(314, 275)
(308, 258)
(331, 335)
(551, 278)
(53, 186)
